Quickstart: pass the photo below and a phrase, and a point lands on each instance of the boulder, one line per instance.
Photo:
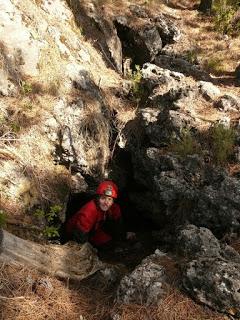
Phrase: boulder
(214, 282)
(167, 29)
(153, 75)
(181, 65)
(208, 90)
(145, 285)
(195, 242)
(176, 190)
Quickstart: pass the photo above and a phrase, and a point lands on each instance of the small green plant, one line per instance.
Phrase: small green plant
(136, 79)
(50, 230)
(187, 145)
(3, 218)
(222, 143)
(26, 88)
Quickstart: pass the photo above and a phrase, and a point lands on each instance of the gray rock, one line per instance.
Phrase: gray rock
(180, 65)
(228, 102)
(186, 190)
(214, 282)
(195, 242)
(168, 31)
(150, 37)
(154, 75)
(145, 285)
(209, 90)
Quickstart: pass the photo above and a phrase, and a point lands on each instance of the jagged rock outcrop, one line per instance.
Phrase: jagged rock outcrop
(176, 190)
(80, 135)
(212, 275)
(195, 242)
(214, 282)
(145, 285)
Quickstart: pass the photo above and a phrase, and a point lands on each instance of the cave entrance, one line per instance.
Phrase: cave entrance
(128, 252)
(132, 46)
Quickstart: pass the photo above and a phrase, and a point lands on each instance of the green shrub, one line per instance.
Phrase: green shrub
(222, 143)
(187, 145)
(224, 11)
(50, 230)
(136, 79)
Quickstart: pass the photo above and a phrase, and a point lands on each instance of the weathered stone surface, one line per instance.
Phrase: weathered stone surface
(92, 18)
(180, 190)
(13, 30)
(181, 65)
(228, 102)
(209, 90)
(71, 148)
(168, 31)
(214, 282)
(154, 75)
(194, 242)
(145, 284)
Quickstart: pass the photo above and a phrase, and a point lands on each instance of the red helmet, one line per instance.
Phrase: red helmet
(107, 188)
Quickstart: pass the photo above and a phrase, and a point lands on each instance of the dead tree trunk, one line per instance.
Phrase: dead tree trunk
(70, 261)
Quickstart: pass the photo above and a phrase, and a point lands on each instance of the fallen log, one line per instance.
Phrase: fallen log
(69, 261)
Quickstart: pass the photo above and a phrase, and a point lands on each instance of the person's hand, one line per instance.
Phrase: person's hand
(131, 236)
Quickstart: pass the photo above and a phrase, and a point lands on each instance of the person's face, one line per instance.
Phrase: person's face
(105, 202)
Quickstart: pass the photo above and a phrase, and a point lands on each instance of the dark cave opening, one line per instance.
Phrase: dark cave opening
(132, 46)
(121, 173)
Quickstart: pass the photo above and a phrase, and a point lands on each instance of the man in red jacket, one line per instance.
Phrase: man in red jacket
(89, 223)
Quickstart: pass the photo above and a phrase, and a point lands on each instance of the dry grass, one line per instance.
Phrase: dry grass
(94, 138)
(216, 53)
(176, 306)
(30, 176)
(19, 301)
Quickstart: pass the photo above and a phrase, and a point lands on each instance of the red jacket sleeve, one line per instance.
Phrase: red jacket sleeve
(86, 219)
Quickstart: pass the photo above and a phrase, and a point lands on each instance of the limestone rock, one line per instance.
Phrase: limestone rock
(180, 65)
(214, 282)
(228, 102)
(176, 191)
(168, 30)
(145, 284)
(194, 242)
(208, 90)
